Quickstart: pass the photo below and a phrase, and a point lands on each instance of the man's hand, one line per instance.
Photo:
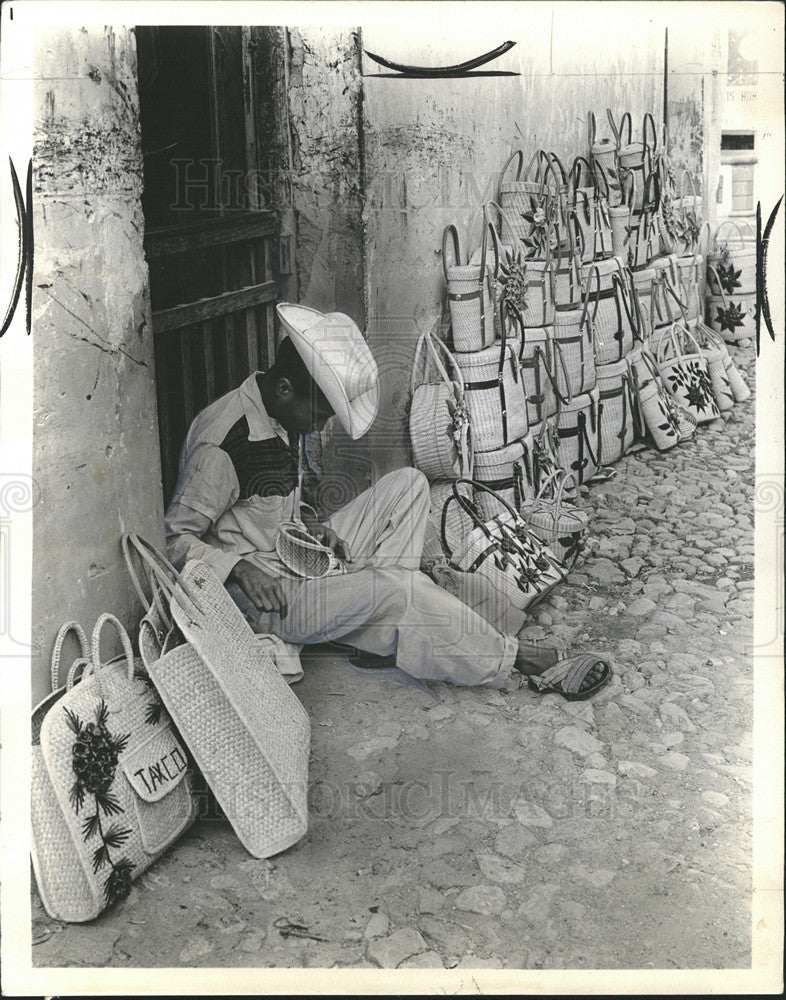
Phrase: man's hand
(260, 588)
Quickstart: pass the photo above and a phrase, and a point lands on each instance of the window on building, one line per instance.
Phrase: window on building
(742, 187)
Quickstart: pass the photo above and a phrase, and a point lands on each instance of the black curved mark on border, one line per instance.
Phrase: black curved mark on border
(762, 298)
(459, 69)
(24, 264)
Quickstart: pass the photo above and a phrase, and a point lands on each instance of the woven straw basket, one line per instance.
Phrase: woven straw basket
(603, 156)
(556, 521)
(534, 350)
(683, 368)
(642, 286)
(494, 395)
(667, 423)
(521, 567)
(716, 353)
(592, 211)
(93, 833)
(439, 428)
(733, 317)
(470, 293)
(734, 252)
(508, 472)
(691, 269)
(515, 191)
(300, 552)
(574, 367)
(616, 420)
(739, 387)
(635, 158)
(247, 731)
(577, 428)
(611, 311)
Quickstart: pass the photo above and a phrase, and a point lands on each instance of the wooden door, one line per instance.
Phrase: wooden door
(211, 250)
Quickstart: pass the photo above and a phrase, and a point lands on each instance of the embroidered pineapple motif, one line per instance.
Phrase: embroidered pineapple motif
(94, 759)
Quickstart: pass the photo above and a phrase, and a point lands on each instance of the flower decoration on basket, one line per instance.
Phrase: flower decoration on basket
(696, 383)
(512, 280)
(691, 229)
(459, 415)
(732, 317)
(540, 239)
(94, 759)
(728, 277)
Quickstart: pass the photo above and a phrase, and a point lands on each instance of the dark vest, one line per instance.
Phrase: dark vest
(264, 468)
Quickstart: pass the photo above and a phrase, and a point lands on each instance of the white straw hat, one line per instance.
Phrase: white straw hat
(339, 360)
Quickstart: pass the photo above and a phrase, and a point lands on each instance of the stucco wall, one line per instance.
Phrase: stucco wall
(433, 150)
(96, 456)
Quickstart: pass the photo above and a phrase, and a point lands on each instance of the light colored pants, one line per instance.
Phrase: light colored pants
(387, 606)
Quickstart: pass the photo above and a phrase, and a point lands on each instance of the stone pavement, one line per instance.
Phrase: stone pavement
(473, 828)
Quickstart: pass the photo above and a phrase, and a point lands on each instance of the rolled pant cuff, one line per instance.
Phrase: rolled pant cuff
(508, 659)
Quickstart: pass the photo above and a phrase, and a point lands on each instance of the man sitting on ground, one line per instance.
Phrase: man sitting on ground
(240, 476)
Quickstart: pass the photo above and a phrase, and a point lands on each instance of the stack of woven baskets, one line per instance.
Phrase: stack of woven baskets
(577, 326)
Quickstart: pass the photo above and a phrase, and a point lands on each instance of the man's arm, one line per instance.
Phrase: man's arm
(206, 488)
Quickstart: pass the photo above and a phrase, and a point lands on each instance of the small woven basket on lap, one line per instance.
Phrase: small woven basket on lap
(303, 554)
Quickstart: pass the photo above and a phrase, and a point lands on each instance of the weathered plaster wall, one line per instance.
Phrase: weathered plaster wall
(309, 100)
(434, 148)
(96, 457)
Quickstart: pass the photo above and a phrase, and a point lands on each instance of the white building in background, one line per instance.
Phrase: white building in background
(751, 94)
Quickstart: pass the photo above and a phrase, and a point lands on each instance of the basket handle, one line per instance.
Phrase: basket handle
(488, 227)
(702, 246)
(516, 154)
(470, 509)
(453, 233)
(57, 651)
(692, 183)
(627, 191)
(721, 291)
(581, 165)
(552, 378)
(686, 334)
(555, 167)
(615, 131)
(503, 217)
(599, 173)
(734, 225)
(160, 570)
(539, 159)
(593, 272)
(626, 121)
(110, 619)
(649, 121)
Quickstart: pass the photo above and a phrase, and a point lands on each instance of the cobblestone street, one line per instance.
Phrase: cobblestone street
(473, 828)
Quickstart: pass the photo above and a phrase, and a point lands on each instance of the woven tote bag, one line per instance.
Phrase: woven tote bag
(567, 267)
(494, 395)
(574, 365)
(611, 311)
(110, 788)
(616, 418)
(439, 429)
(687, 207)
(683, 368)
(470, 292)
(635, 159)
(247, 731)
(508, 472)
(732, 260)
(534, 353)
(666, 305)
(556, 520)
(667, 422)
(522, 194)
(716, 352)
(642, 281)
(513, 559)
(576, 426)
(591, 199)
(733, 317)
(603, 157)
(642, 239)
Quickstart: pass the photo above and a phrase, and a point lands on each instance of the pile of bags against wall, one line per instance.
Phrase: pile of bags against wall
(592, 319)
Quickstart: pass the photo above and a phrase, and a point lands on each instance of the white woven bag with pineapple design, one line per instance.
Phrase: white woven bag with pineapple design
(110, 785)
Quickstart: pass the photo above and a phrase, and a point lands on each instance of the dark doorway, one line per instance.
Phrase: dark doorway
(212, 252)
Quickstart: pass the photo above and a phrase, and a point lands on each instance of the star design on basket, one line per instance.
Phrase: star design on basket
(732, 317)
(513, 279)
(94, 757)
(728, 277)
